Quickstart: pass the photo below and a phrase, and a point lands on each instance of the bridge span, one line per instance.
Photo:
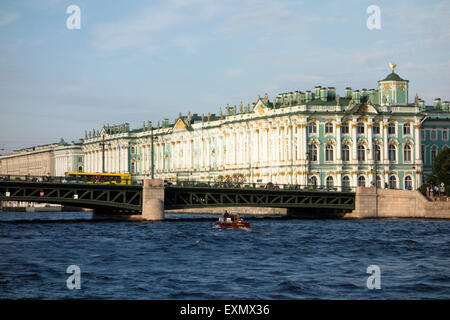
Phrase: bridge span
(149, 200)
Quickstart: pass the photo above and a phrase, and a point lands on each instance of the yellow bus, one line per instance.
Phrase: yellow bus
(104, 178)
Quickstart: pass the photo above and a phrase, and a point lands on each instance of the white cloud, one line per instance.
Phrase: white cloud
(148, 29)
(379, 56)
(235, 72)
(8, 18)
(424, 19)
(187, 43)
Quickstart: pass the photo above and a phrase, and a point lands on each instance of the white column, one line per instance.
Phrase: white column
(385, 141)
(338, 142)
(369, 141)
(417, 142)
(354, 124)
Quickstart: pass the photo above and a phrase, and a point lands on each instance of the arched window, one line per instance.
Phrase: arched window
(407, 153)
(312, 150)
(406, 128)
(345, 153)
(330, 182)
(313, 181)
(434, 152)
(408, 183)
(329, 153)
(328, 127)
(392, 182)
(312, 127)
(361, 181)
(391, 128)
(361, 153)
(392, 153)
(360, 128)
(346, 181)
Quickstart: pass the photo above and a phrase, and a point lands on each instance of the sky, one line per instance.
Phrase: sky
(133, 61)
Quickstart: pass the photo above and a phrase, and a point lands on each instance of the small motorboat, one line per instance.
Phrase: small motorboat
(233, 221)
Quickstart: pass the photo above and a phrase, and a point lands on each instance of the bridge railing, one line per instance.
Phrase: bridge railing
(259, 185)
(55, 179)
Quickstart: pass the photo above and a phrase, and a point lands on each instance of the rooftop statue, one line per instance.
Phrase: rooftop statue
(392, 65)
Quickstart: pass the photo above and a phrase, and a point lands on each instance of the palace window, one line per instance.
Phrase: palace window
(392, 153)
(361, 181)
(312, 150)
(329, 153)
(392, 182)
(330, 182)
(406, 128)
(313, 181)
(422, 134)
(133, 167)
(444, 135)
(408, 183)
(361, 153)
(391, 128)
(407, 153)
(328, 127)
(360, 128)
(344, 128)
(422, 149)
(312, 127)
(433, 135)
(346, 181)
(376, 128)
(345, 153)
(434, 152)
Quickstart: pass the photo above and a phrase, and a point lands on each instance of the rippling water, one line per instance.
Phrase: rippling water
(186, 257)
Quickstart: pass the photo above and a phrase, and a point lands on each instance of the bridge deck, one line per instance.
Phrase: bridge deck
(128, 198)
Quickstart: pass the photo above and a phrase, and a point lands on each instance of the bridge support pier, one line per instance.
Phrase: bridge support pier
(153, 199)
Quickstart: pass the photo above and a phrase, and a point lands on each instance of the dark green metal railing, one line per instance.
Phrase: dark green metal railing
(177, 195)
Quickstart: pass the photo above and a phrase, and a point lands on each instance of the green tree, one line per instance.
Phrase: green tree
(441, 169)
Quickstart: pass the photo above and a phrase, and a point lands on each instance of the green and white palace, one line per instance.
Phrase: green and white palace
(315, 137)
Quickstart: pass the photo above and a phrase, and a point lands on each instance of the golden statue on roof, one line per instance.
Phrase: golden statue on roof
(392, 65)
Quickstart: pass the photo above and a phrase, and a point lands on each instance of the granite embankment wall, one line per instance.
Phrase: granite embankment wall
(386, 203)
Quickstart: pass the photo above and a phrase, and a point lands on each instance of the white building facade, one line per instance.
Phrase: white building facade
(305, 138)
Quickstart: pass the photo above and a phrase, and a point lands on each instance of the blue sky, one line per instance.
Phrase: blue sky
(134, 61)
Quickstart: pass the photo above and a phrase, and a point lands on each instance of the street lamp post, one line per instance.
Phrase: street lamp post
(375, 175)
(307, 168)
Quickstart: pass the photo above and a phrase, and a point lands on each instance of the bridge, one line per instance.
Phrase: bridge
(150, 199)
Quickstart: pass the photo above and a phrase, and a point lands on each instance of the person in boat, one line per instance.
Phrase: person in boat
(225, 216)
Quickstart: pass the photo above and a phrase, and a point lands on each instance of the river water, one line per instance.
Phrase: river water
(187, 257)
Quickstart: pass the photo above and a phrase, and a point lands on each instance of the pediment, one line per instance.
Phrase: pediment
(180, 125)
(363, 108)
(260, 108)
(366, 108)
